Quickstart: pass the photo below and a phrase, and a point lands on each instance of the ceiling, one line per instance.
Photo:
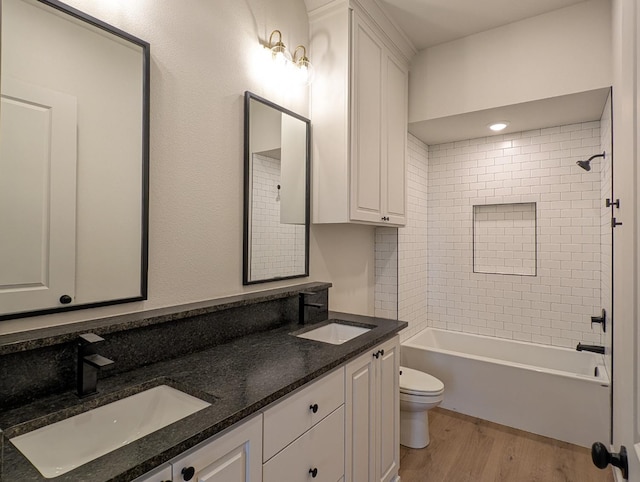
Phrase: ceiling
(551, 112)
(432, 22)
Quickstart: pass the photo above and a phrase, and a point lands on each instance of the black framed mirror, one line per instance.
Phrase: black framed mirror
(74, 156)
(277, 162)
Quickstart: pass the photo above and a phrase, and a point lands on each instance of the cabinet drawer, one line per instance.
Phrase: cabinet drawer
(287, 420)
(160, 474)
(321, 448)
(234, 455)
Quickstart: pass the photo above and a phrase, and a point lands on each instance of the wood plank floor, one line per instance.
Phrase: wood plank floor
(467, 449)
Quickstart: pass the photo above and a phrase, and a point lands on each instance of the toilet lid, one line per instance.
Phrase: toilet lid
(417, 382)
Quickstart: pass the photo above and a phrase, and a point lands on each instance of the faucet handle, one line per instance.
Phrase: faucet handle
(89, 338)
(98, 361)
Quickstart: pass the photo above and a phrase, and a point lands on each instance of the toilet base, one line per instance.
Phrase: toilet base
(414, 429)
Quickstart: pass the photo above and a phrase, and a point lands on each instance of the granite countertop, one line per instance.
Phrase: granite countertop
(238, 378)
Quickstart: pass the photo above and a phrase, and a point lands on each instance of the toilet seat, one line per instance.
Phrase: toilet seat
(419, 384)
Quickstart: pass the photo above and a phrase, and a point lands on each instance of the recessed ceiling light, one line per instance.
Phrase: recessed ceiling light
(498, 126)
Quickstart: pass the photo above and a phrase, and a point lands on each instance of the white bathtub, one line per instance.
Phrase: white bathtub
(542, 389)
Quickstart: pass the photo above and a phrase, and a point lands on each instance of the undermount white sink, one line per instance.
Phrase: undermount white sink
(62, 446)
(334, 333)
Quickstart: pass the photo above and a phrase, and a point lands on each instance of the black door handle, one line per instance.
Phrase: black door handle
(602, 458)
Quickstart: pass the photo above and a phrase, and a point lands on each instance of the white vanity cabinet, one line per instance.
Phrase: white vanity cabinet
(232, 457)
(372, 400)
(359, 114)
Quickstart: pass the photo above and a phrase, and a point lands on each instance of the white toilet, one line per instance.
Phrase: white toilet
(419, 392)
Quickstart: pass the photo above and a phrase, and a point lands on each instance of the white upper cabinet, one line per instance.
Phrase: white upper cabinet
(359, 115)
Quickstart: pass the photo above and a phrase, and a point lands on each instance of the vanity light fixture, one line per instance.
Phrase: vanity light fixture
(297, 69)
(304, 70)
(498, 126)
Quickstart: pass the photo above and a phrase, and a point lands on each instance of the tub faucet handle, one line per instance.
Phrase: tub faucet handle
(602, 319)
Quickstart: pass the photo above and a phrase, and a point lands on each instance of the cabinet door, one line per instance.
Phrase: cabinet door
(394, 176)
(360, 397)
(366, 124)
(233, 457)
(388, 411)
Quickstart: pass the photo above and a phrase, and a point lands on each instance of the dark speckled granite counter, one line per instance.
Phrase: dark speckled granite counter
(239, 377)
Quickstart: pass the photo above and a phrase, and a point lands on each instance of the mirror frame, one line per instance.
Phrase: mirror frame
(248, 96)
(146, 96)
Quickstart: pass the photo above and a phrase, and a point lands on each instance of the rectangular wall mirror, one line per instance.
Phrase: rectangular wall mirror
(74, 158)
(276, 192)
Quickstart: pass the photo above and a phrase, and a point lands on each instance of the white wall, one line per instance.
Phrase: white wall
(202, 60)
(558, 53)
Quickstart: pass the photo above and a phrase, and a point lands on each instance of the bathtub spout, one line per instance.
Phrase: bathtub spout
(591, 348)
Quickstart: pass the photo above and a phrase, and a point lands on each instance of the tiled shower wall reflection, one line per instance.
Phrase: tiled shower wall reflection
(272, 242)
(538, 166)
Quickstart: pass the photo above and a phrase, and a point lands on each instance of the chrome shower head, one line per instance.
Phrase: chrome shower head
(586, 165)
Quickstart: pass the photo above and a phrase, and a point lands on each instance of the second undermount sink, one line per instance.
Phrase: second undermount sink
(60, 447)
(334, 333)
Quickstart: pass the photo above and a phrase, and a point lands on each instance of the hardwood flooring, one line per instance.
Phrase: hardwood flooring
(467, 449)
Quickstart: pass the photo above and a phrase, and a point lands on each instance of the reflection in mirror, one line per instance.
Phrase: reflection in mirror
(276, 220)
(73, 161)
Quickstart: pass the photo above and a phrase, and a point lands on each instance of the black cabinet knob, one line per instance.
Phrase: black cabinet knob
(313, 472)
(314, 408)
(602, 458)
(65, 299)
(382, 352)
(188, 473)
(376, 354)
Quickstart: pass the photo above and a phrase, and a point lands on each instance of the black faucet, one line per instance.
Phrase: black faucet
(89, 362)
(591, 348)
(302, 303)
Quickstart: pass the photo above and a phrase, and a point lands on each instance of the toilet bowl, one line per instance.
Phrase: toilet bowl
(419, 392)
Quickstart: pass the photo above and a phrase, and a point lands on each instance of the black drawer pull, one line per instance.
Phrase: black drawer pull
(377, 354)
(314, 408)
(188, 473)
(382, 352)
(313, 472)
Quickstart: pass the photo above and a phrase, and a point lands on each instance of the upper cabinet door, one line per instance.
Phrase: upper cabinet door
(38, 152)
(394, 178)
(367, 123)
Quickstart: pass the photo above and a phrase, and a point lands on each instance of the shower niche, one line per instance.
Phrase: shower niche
(504, 239)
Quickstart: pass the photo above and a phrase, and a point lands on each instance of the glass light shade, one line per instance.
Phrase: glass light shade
(280, 54)
(305, 72)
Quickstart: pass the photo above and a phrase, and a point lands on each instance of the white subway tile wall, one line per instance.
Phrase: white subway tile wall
(276, 249)
(606, 246)
(537, 166)
(412, 247)
(386, 291)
